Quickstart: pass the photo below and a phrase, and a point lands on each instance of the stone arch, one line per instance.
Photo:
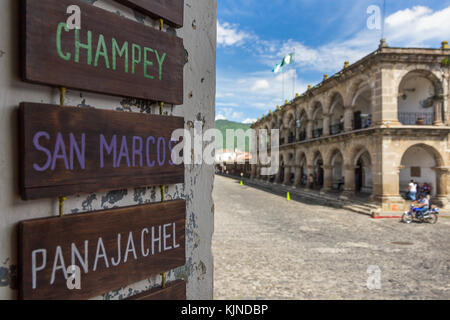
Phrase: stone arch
(353, 87)
(423, 163)
(337, 113)
(420, 96)
(362, 106)
(302, 125)
(317, 118)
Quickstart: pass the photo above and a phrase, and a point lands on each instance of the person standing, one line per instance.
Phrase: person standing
(412, 191)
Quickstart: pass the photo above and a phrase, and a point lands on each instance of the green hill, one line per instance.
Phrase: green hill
(223, 125)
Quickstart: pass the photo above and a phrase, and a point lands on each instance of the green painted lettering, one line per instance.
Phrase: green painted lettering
(79, 45)
(58, 41)
(101, 51)
(160, 63)
(147, 63)
(123, 51)
(135, 60)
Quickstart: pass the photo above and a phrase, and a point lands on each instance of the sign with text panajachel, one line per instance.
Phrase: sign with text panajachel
(109, 54)
(69, 150)
(172, 291)
(171, 11)
(111, 248)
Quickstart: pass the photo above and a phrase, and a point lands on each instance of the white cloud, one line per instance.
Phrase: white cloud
(418, 26)
(260, 85)
(227, 104)
(229, 35)
(249, 121)
(220, 117)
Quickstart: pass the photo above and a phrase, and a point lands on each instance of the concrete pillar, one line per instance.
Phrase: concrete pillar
(327, 178)
(348, 119)
(326, 124)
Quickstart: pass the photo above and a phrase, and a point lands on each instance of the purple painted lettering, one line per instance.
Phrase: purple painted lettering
(40, 148)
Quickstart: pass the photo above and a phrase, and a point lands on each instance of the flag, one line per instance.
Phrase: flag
(287, 59)
(277, 68)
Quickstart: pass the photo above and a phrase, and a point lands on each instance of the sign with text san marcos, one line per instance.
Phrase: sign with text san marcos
(171, 11)
(69, 150)
(82, 256)
(109, 54)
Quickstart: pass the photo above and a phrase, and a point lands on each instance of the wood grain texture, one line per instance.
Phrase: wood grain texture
(52, 232)
(172, 11)
(41, 124)
(46, 60)
(173, 291)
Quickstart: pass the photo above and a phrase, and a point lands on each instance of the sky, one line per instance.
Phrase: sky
(254, 35)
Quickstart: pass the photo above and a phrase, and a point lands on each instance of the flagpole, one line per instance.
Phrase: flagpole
(282, 80)
(384, 18)
(295, 77)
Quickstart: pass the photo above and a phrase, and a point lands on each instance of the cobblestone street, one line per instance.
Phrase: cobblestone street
(268, 248)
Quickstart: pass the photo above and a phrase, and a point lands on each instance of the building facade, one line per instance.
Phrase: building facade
(370, 129)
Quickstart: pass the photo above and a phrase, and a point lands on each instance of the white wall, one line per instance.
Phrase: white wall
(423, 90)
(199, 80)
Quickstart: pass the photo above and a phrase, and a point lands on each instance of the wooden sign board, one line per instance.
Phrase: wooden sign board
(109, 54)
(171, 11)
(173, 291)
(68, 150)
(112, 248)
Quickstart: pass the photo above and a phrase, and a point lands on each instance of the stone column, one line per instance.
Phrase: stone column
(349, 186)
(438, 105)
(348, 119)
(309, 130)
(326, 125)
(298, 176)
(441, 199)
(287, 174)
(327, 178)
(310, 170)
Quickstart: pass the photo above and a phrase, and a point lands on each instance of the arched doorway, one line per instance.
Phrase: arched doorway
(318, 171)
(417, 98)
(302, 170)
(419, 163)
(363, 173)
(282, 170)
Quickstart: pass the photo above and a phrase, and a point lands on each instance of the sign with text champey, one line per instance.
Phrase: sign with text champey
(68, 150)
(109, 54)
(171, 11)
(112, 249)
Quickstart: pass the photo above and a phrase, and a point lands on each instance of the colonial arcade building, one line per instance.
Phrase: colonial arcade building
(369, 129)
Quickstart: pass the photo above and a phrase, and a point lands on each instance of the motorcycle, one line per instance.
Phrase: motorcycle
(431, 216)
